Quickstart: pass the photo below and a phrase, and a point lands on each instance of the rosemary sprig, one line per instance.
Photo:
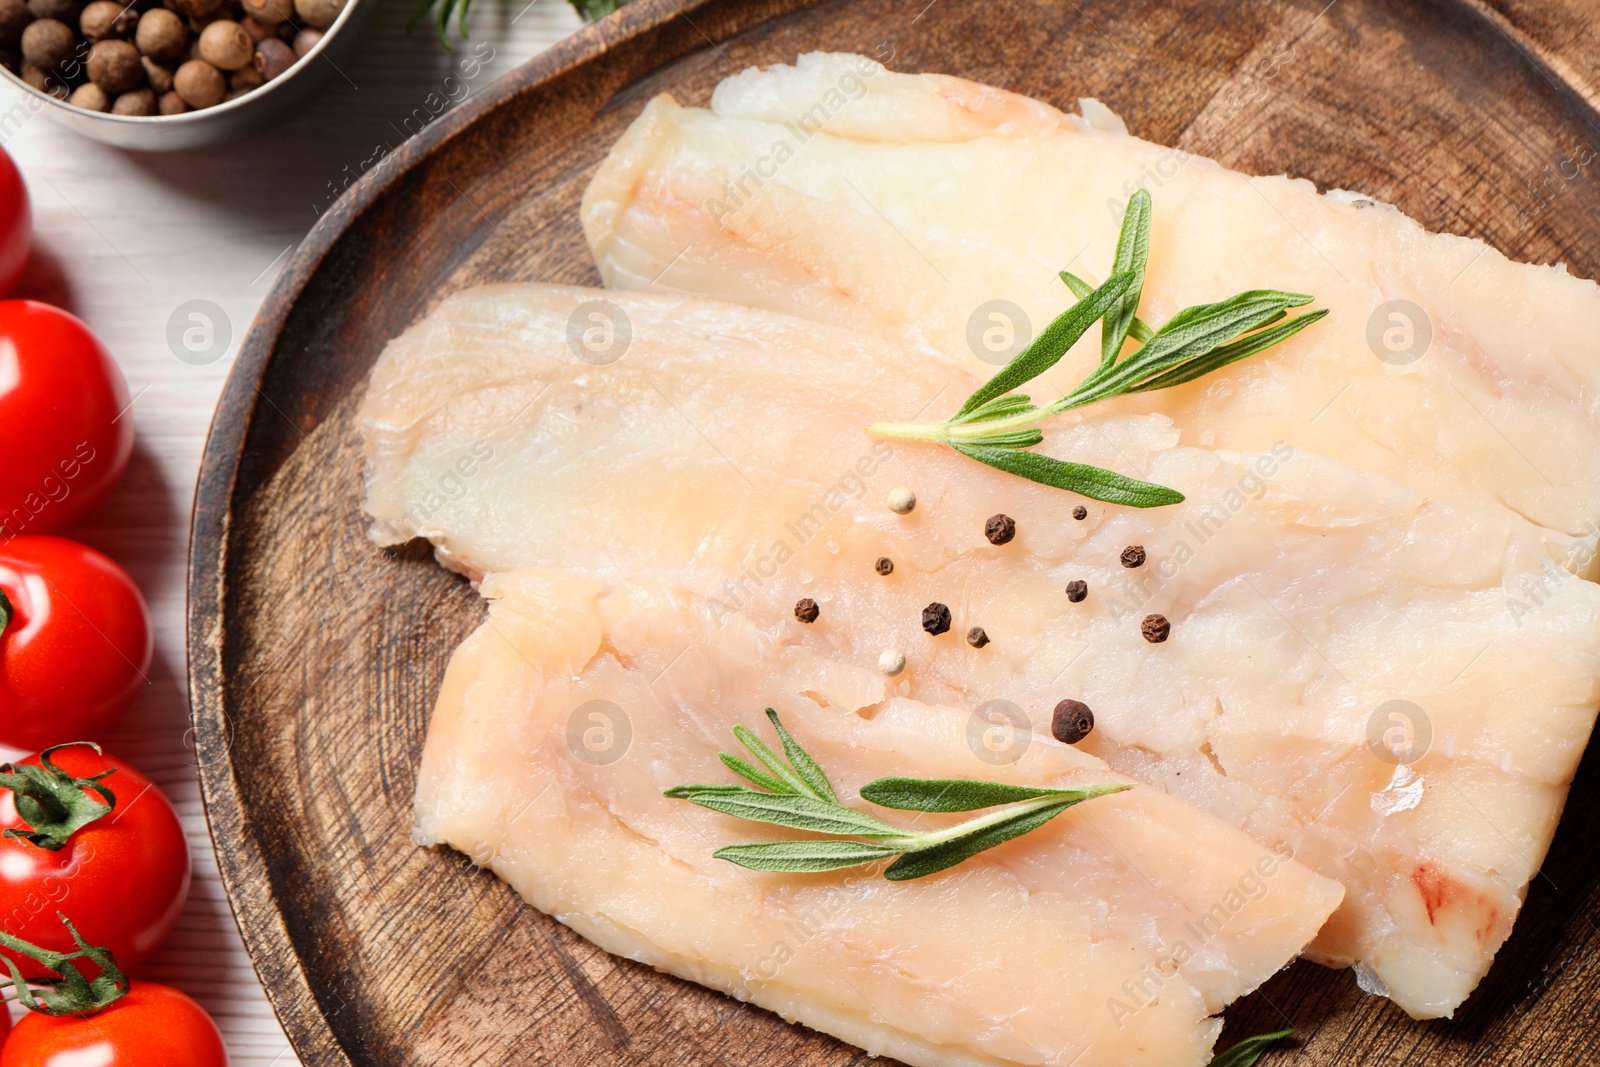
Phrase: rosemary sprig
(996, 424)
(795, 792)
(1248, 1051)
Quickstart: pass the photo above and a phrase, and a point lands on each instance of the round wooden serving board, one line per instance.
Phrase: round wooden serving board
(314, 658)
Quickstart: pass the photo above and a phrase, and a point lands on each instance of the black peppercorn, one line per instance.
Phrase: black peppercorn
(1080, 513)
(806, 610)
(1077, 590)
(1133, 556)
(1000, 529)
(885, 565)
(1155, 628)
(1071, 722)
(977, 637)
(936, 618)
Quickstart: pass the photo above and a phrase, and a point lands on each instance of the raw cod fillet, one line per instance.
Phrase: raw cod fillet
(1427, 543)
(603, 527)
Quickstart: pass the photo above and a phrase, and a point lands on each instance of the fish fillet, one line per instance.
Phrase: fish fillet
(603, 524)
(1428, 542)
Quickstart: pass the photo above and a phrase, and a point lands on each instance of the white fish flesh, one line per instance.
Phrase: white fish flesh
(1415, 575)
(604, 508)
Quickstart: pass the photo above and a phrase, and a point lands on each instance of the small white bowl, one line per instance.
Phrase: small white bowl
(192, 129)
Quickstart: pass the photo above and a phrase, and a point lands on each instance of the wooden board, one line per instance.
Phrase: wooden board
(315, 658)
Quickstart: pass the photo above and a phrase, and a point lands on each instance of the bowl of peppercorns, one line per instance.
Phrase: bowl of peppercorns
(164, 75)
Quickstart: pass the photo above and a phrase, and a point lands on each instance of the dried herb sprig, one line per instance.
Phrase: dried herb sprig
(793, 791)
(1248, 1051)
(996, 425)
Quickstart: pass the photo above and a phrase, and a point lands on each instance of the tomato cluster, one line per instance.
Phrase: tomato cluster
(94, 868)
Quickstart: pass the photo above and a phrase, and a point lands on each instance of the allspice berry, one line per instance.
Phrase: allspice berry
(226, 46)
(66, 11)
(319, 14)
(258, 31)
(158, 75)
(273, 57)
(806, 610)
(171, 104)
(194, 8)
(14, 18)
(305, 41)
(107, 18)
(44, 80)
(90, 97)
(244, 79)
(977, 637)
(884, 566)
(115, 66)
(199, 83)
(1071, 722)
(269, 12)
(161, 34)
(138, 102)
(48, 44)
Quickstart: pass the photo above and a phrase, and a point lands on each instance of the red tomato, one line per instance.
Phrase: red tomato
(122, 879)
(153, 1026)
(78, 646)
(16, 224)
(61, 395)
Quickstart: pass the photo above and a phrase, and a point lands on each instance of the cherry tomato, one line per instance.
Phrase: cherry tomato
(76, 651)
(63, 442)
(122, 879)
(16, 224)
(153, 1026)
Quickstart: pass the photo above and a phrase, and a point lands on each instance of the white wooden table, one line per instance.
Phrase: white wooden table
(122, 239)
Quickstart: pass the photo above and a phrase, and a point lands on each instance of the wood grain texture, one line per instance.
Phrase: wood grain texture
(315, 657)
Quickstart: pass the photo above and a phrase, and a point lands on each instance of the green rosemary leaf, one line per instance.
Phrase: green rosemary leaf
(1053, 341)
(802, 762)
(1133, 250)
(1220, 357)
(805, 857)
(947, 854)
(1192, 332)
(998, 408)
(793, 781)
(1080, 289)
(1096, 483)
(1025, 437)
(795, 812)
(1248, 1051)
(964, 794)
(684, 792)
(595, 10)
(755, 774)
